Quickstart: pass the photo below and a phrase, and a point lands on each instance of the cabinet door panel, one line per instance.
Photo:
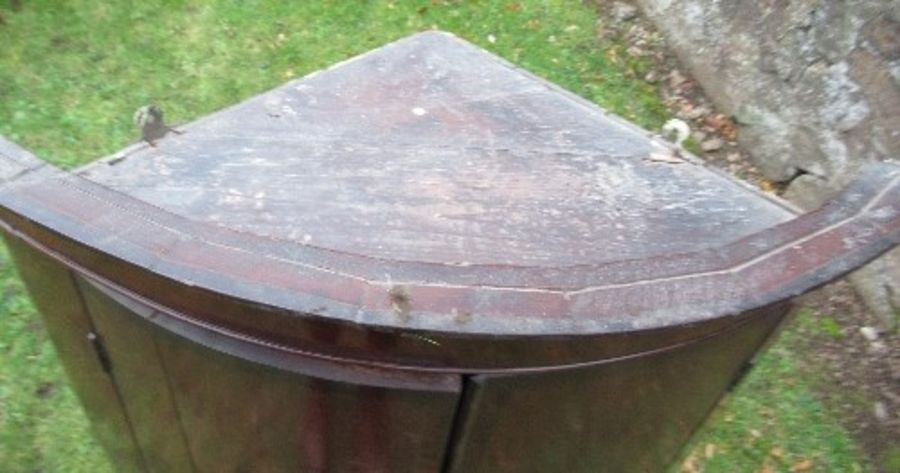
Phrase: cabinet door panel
(246, 406)
(241, 416)
(140, 376)
(627, 415)
(57, 297)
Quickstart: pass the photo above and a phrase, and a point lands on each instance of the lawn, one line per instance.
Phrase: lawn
(72, 73)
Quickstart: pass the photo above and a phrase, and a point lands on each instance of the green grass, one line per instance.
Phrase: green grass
(775, 410)
(72, 73)
(42, 426)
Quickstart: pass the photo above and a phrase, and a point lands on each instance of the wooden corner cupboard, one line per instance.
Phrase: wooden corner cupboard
(422, 259)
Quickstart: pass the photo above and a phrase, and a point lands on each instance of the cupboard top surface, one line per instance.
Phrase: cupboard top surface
(427, 204)
(433, 150)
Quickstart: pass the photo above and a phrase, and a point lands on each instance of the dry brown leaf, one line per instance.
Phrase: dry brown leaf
(612, 55)
(690, 465)
(722, 124)
(804, 465)
(768, 186)
(709, 451)
(777, 452)
(766, 468)
(513, 7)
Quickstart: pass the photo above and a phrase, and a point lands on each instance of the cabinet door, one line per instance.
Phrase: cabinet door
(243, 406)
(56, 295)
(141, 379)
(625, 415)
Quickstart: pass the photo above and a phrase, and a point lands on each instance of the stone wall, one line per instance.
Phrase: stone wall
(814, 86)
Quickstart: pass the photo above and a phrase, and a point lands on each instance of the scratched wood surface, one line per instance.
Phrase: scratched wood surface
(432, 194)
(433, 150)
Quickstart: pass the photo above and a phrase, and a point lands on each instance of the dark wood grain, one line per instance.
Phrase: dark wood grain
(224, 272)
(241, 407)
(433, 150)
(54, 291)
(243, 417)
(555, 248)
(632, 415)
(141, 379)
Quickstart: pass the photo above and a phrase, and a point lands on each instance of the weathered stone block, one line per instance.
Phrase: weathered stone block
(814, 86)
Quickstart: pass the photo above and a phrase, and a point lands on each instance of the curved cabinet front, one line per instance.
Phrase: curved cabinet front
(170, 396)
(162, 401)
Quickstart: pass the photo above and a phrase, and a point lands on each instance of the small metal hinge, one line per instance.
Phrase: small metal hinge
(100, 350)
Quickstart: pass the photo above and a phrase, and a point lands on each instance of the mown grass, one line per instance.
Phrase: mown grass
(72, 73)
(774, 419)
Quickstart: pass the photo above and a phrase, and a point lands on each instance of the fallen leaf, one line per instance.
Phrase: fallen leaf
(676, 79)
(612, 55)
(722, 124)
(804, 465)
(777, 452)
(709, 451)
(766, 468)
(513, 7)
(768, 186)
(690, 465)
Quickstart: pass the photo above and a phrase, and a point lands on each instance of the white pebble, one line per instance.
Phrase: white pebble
(870, 333)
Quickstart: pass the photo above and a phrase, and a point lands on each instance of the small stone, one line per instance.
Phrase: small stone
(880, 410)
(697, 112)
(652, 77)
(870, 333)
(712, 144)
(807, 191)
(622, 11)
(733, 157)
(675, 78)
